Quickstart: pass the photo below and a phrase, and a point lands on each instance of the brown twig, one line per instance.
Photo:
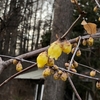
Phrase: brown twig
(74, 52)
(97, 3)
(69, 29)
(81, 75)
(5, 64)
(22, 60)
(78, 96)
(16, 74)
(89, 67)
(97, 35)
(73, 87)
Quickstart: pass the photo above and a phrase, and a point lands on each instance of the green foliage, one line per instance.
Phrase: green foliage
(46, 38)
(90, 16)
(90, 55)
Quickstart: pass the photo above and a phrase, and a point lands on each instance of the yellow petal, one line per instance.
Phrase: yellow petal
(66, 47)
(42, 59)
(55, 50)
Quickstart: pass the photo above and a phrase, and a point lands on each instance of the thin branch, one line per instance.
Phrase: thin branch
(74, 53)
(89, 67)
(77, 94)
(68, 71)
(22, 60)
(81, 75)
(16, 74)
(97, 35)
(69, 29)
(5, 64)
(97, 3)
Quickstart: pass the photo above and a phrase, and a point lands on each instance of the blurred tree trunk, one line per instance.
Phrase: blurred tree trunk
(38, 34)
(39, 26)
(12, 20)
(34, 27)
(55, 89)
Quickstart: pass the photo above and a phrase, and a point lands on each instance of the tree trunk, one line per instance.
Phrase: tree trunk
(55, 89)
(34, 27)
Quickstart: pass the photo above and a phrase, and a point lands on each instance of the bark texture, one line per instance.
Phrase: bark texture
(55, 89)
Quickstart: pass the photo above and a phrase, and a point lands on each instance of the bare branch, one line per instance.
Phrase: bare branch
(4, 64)
(89, 67)
(78, 96)
(74, 53)
(16, 74)
(97, 3)
(69, 29)
(71, 83)
(22, 60)
(81, 75)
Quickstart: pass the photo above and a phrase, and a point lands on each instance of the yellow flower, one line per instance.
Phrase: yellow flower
(66, 47)
(55, 50)
(42, 59)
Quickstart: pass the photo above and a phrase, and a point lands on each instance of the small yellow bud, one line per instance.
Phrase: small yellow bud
(67, 64)
(74, 70)
(15, 61)
(56, 76)
(72, 66)
(55, 67)
(60, 72)
(75, 64)
(46, 72)
(72, 51)
(19, 66)
(74, 44)
(78, 53)
(98, 85)
(50, 62)
(84, 42)
(64, 76)
(95, 9)
(90, 41)
(99, 19)
(92, 73)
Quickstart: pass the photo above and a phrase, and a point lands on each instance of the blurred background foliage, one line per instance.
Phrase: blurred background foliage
(26, 25)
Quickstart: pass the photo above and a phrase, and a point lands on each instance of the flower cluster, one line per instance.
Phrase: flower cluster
(54, 52)
(18, 64)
